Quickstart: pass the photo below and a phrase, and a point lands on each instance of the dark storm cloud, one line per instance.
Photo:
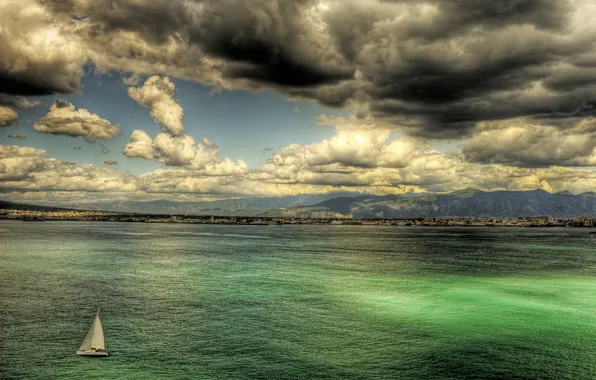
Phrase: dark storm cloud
(457, 118)
(439, 70)
(443, 68)
(571, 78)
(269, 42)
(434, 67)
(352, 22)
(284, 71)
(155, 19)
(335, 96)
(546, 14)
(13, 84)
(34, 84)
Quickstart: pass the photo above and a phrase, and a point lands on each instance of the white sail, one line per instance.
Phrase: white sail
(94, 341)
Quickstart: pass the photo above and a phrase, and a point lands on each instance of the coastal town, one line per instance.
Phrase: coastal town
(104, 216)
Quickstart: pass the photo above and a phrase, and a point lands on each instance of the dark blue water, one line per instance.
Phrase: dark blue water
(297, 302)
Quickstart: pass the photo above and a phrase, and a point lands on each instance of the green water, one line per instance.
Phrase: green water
(297, 302)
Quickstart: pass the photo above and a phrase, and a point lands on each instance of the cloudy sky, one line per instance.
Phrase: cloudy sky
(210, 99)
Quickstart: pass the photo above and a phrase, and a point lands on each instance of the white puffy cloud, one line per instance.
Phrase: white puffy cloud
(181, 181)
(31, 169)
(170, 150)
(157, 94)
(64, 119)
(15, 151)
(370, 160)
(353, 156)
(7, 116)
(66, 176)
(140, 146)
(181, 151)
(17, 162)
(525, 142)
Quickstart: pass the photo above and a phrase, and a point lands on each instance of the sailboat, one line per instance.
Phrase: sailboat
(94, 344)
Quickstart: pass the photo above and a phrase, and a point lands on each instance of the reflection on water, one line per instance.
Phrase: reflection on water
(312, 302)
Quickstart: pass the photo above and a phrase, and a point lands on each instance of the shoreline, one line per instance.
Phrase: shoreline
(492, 222)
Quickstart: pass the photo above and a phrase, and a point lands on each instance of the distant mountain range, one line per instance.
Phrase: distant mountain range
(226, 207)
(463, 203)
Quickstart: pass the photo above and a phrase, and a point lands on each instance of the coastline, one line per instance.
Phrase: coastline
(101, 216)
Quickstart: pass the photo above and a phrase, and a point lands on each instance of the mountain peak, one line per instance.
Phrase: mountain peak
(467, 190)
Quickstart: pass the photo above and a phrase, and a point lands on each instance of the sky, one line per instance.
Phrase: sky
(213, 99)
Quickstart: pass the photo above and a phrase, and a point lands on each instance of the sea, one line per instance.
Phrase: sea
(181, 301)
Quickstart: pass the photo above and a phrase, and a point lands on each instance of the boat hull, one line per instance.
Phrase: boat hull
(92, 353)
